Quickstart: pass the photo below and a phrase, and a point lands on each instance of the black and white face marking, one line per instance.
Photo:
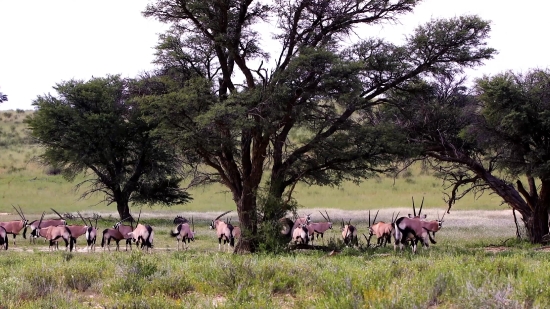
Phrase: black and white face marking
(212, 225)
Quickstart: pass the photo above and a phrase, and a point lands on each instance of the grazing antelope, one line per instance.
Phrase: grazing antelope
(300, 235)
(91, 233)
(349, 234)
(55, 233)
(143, 234)
(223, 230)
(416, 230)
(14, 227)
(112, 234)
(321, 227)
(382, 230)
(183, 233)
(4, 241)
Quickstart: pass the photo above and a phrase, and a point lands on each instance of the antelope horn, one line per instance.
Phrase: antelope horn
(369, 218)
(40, 222)
(414, 209)
(396, 216)
(323, 216)
(80, 215)
(222, 214)
(421, 206)
(22, 214)
(138, 217)
(442, 216)
(193, 224)
(392, 214)
(17, 212)
(60, 217)
(375, 216)
(329, 220)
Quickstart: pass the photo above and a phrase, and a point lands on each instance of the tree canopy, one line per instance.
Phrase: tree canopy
(95, 127)
(303, 110)
(487, 138)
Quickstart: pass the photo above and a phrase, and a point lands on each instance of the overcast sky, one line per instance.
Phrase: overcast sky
(46, 42)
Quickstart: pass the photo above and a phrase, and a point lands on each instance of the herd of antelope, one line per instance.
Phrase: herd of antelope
(404, 230)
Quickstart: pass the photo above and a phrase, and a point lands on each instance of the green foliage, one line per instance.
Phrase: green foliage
(94, 126)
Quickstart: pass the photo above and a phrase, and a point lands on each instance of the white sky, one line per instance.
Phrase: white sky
(46, 42)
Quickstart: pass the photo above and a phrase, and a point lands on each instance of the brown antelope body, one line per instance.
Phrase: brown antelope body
(4, 241)
(321, 227)
(45, 223)
(125, 230)
(236, 232)
(56, 233)
(111, 234)
(14, 227)
(382, 230)
(417, 230)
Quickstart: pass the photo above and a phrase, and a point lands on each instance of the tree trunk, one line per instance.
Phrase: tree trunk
(246, 207)
(123, 209)
(536, 220)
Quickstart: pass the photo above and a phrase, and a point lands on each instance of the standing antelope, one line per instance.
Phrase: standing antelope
(300, 235)
(110, 234)
(55, 233)
(382, 230)
(143, 234)
(15, 226)
(349, 234)
(321, 227)
(223, 230)
(417, 230)
(125, 230)
(183, 233)
(76, 230)
(45, 223)
(91, 233)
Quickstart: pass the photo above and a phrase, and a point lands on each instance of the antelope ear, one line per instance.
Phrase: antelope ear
(411, 216)
(424, 216)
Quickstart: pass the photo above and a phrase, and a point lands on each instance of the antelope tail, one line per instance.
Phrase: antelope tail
(6, 241)
(231, 237)
(103, 238)
(25, 232)
(176, 232)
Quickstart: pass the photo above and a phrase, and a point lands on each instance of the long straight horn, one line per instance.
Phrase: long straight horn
(80, 215)
(442, 216)
(223, 214)
(138, 217)
(193, 224)
(40, 222)
(421, 206)
(392, 214)
(17, 212)
(329, 220)
(323, 215)
(22, 214)
(369, 218)
(414, 209)
(396, 216)
(60, 217)
(375, 217)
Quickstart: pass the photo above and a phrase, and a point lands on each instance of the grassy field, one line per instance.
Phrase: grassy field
(477, 262)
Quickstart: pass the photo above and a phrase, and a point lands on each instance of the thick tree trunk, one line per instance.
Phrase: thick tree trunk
(536, 219)
(246, 207)
(123, 210)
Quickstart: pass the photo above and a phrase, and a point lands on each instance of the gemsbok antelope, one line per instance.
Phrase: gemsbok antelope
(300, 235)
(76, 230)
(321, 227)
(183, 233)
(382, 230)
(349, 234)
(416, 230)
(111, 234)
(56, 233)
(179, 220)
(223, 231)
(91, 233)
(45, 223)
(143, 234)
(125, 230)
(14, 227)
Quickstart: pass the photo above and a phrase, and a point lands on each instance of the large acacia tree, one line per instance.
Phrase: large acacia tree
(94, 127)
(301, 108)
(494, 138)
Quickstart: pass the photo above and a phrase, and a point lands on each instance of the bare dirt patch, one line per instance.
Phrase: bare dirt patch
(495, 249)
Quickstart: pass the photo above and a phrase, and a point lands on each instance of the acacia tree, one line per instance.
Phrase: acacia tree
(306, 116)
(95, 127)
(486, 139)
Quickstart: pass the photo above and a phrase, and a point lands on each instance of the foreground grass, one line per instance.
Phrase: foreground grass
(443, 277)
